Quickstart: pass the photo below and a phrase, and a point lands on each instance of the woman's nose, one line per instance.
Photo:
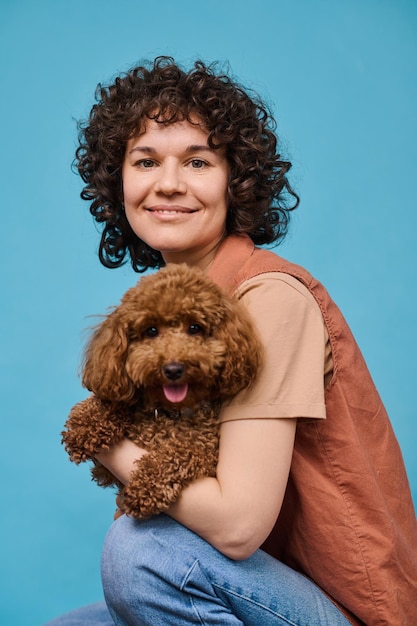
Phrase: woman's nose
(170, 180)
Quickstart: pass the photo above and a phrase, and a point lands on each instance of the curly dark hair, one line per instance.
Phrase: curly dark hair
(260, 196)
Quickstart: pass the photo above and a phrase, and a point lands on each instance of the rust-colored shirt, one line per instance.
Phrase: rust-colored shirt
(347, 519)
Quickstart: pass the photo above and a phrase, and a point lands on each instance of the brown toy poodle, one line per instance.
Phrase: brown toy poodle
(159, 366)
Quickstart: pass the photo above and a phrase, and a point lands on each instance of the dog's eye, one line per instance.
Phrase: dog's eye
(151, 332)
(195, 329)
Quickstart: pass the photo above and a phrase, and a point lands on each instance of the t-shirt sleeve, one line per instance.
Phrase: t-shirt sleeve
(290, 383)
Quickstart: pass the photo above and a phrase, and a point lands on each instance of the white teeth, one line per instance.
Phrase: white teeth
(169, 212)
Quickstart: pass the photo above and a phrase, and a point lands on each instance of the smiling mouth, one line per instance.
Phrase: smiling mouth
(173, 210)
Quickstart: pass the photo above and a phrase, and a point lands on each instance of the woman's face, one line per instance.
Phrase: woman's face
(175, 191)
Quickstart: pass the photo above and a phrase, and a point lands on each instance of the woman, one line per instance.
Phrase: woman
(183, 167)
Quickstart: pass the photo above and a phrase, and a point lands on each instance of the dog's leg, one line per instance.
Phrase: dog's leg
(93, 425)
(161, 475)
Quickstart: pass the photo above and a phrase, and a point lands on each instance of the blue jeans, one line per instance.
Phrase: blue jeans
(159, 573)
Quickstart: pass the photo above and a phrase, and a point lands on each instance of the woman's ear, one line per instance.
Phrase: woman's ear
(244, 350)
(104, 370)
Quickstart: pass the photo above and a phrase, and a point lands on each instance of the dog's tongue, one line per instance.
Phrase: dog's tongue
(175, 393)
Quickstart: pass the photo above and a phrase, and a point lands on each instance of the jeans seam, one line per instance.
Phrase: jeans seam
(196, 611)
(188, 574)
(230, 592)
(262, 606)
(184, 582)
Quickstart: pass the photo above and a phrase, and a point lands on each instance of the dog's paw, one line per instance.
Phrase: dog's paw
(161, 475)
(76, 447)
(151, 489)
(93, 425)
(144, 501)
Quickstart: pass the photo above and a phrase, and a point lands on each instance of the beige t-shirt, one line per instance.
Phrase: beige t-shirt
(297, 357)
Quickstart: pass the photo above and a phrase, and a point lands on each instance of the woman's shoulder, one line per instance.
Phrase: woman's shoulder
(275, 288)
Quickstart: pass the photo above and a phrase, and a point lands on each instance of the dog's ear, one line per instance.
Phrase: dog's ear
(244, 350)
(104, 370)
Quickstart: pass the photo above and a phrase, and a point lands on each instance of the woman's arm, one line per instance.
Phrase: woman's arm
(235, 511)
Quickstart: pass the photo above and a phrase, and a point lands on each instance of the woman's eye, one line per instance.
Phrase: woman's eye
(198, 164)
(195, 329)
(151, 332)
(145, 163)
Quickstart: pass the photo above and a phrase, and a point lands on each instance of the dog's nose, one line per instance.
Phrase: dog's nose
(173, 371)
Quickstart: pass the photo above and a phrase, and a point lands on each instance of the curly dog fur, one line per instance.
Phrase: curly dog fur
(159, 366)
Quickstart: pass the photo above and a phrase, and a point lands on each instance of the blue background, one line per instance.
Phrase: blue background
(342, 78)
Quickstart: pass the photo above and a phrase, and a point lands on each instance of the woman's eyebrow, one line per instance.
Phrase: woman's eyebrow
(199, 148)
(146, 149)
(192, 148)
